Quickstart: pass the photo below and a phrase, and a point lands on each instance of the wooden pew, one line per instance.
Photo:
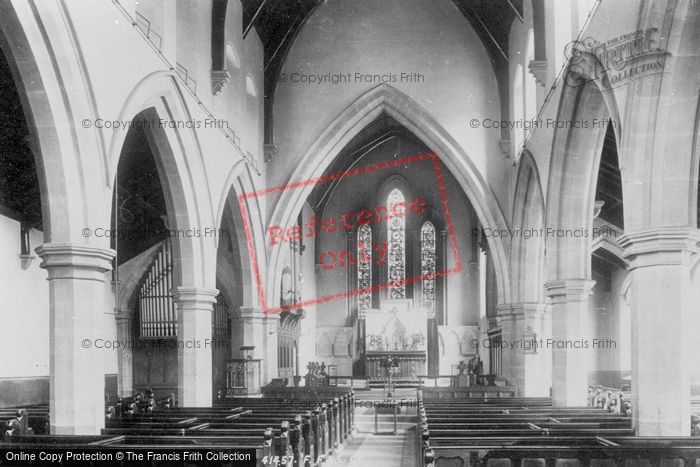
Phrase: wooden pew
(308, 436)
(312, 433)
(31, 419)
(479, 433)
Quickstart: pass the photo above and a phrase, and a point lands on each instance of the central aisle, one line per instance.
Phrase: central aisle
(368, 449)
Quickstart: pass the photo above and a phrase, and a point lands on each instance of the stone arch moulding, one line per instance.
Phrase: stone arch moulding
(53, 138)
(527, 255)
(574, 167)
(180, 164)
(239, 182)
(349, 123)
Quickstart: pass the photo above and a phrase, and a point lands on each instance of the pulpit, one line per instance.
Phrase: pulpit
(243, 374)
(396, 331)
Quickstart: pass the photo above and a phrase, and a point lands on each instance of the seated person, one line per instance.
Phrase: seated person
(150, 405)
(11, 430)
(598, 401)
(628, 408)
(22, 417)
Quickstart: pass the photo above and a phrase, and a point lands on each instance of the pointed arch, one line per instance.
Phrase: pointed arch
(179, 160)
(233, 202)
(321, 153)
(573, 169)
(527, 254)
(47, 110)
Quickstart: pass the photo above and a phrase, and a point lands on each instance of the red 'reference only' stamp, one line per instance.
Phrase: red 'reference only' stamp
(378, 251)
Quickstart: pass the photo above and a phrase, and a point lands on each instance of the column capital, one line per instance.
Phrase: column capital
(67, 261)
(247, 312)
(521, 310)
(569, 290)
(124, 315)
(195, 295)
(660, 246)
(271, 317)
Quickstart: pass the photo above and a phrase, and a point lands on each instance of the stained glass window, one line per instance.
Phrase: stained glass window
(427, 261)
(364, 267)
(397, 249)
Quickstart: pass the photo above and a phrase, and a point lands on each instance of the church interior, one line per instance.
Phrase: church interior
(372, 232)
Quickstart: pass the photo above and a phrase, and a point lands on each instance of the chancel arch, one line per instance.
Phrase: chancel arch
(424, 251)
(321, 153)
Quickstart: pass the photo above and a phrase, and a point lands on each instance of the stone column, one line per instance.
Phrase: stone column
(664, 302)
(247, 329)
(125, 366)
(76, 277)
(526, 363)
(194, 306)
(251, 327)
(571, 334)
(271, 336)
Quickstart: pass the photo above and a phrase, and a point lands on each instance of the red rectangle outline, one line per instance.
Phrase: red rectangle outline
(371, 168)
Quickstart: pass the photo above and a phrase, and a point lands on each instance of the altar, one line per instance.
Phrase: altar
(399, 331)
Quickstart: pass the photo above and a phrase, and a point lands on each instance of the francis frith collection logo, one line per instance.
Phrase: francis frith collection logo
(623, 59)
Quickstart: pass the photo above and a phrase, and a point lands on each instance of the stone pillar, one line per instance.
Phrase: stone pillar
(125, 366)
(526, 363)
(271, 332)
(247, 329)
(664, 301)
(251, 327)
(76, 277)
(194, 306)
(571, 334)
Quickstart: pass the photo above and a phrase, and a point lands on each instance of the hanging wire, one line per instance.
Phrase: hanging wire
(552, 88)
(115, 266)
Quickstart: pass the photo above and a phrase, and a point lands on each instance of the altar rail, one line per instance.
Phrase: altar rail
(299, 392)
(410, 364)
(451, 380)
(440, 383)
